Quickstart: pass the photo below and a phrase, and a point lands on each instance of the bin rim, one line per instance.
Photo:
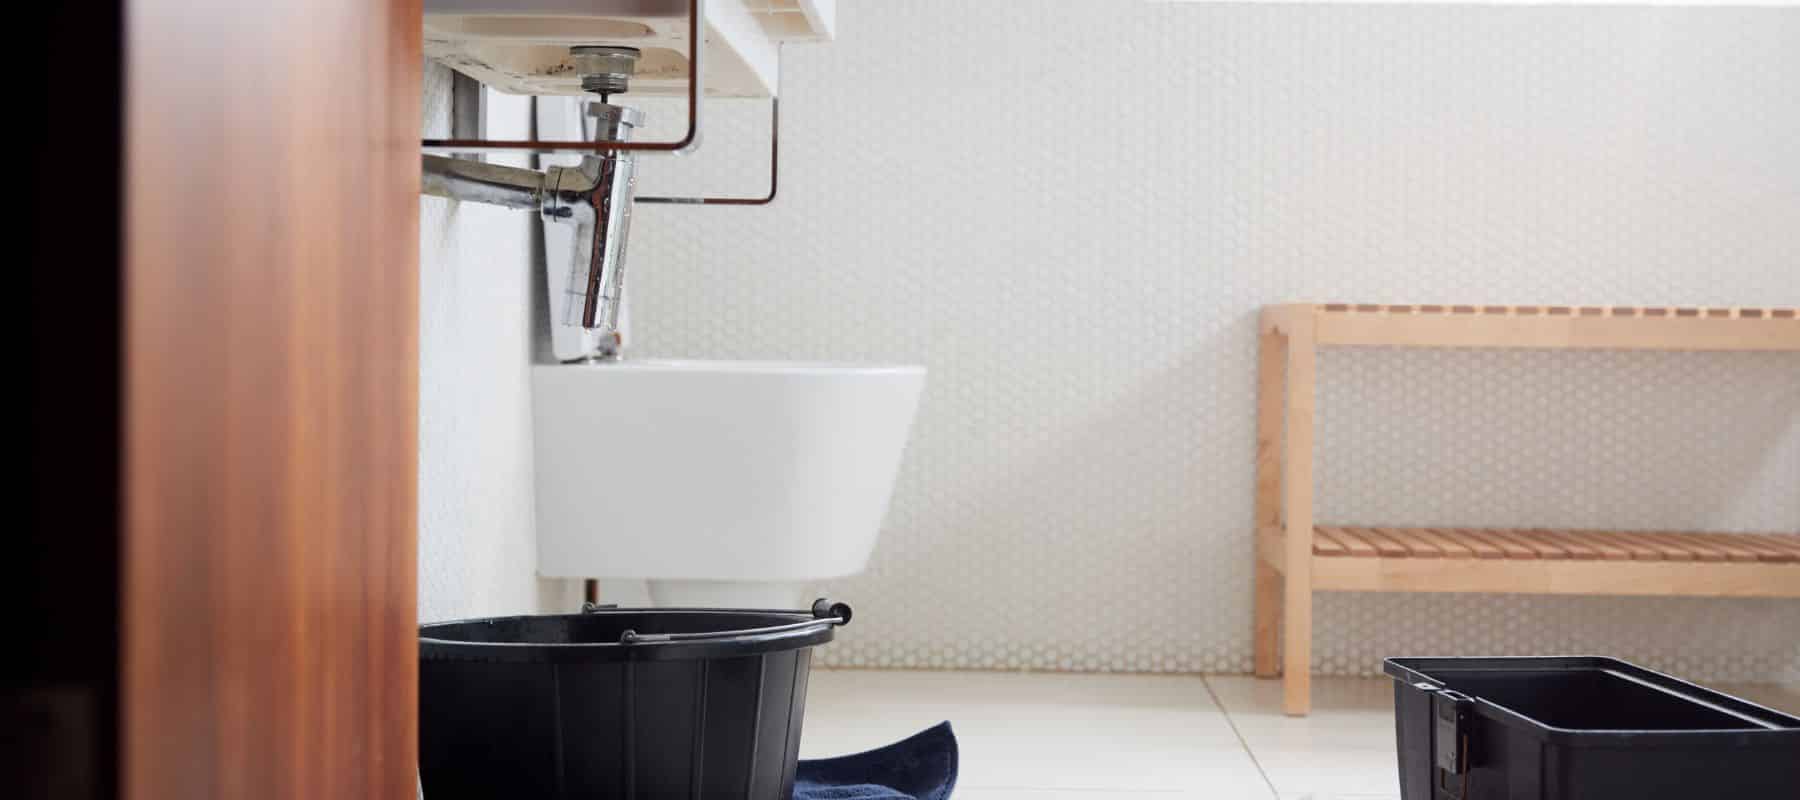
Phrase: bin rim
(1781, 730)
(751, 639)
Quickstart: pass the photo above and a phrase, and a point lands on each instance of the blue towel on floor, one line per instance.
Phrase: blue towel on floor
(922, 767)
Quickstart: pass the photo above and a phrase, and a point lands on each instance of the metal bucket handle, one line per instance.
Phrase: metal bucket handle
(825, 614)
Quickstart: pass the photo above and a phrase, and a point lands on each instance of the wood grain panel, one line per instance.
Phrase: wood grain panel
(270, 423)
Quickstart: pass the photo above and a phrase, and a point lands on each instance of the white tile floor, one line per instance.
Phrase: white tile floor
(1053, 736)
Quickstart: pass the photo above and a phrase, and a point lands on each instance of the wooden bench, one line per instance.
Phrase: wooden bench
(1296, 557)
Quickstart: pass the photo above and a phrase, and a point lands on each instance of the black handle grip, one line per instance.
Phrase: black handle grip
(825, 609)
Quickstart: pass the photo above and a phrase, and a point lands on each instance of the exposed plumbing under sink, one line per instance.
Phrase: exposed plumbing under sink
(586, 290)
(595, 197)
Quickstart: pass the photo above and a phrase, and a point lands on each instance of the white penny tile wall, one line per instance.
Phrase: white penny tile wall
(1071, 212)
(477, 540)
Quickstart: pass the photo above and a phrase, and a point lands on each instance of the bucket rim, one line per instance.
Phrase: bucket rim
(749, 640)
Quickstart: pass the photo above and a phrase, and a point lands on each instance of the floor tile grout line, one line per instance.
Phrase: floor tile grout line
(1242, 742)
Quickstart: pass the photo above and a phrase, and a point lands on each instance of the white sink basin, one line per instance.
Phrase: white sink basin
(715, 473)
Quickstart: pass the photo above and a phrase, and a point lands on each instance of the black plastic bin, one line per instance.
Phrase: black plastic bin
(1581, 728)
(617, 703)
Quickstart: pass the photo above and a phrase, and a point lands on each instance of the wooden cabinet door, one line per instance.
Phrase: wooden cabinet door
(269, 414)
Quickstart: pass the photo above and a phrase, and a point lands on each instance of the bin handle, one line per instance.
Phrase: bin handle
(1449, 710)
(825, 613)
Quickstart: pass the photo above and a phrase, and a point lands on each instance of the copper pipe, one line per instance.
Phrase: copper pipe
(774, 172)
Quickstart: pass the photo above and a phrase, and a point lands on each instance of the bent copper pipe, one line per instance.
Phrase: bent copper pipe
(774, 172)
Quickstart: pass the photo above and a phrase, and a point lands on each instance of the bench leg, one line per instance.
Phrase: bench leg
(1271, 410)
(1297, 520)
(1296, 650)
(1266, 636)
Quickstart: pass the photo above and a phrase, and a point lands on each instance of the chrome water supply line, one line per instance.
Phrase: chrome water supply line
(594, 196)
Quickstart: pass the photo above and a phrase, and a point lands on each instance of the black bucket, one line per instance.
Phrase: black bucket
(626, 703)
(1581, 728)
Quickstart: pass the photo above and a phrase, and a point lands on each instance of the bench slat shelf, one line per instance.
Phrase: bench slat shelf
(1547, 561)
(1296, 557)
(1604, 327)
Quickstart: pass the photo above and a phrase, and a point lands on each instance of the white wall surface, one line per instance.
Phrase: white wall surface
(1071, 212)
(477, 543)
